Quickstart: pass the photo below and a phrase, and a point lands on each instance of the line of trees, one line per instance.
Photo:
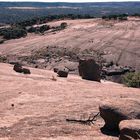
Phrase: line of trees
(115, 17)
(136, 15)
(13, 33)
(21, 29)
(45, 19)
(39, 29)
(18, 31)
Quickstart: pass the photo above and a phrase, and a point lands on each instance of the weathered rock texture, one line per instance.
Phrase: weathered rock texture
(129, 130)
(122, 109)
(41, 105)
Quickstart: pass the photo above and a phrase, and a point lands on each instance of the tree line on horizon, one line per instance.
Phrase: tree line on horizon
(20, 29)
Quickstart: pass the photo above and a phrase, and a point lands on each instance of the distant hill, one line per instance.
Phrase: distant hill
(11, 12)
(56, 4)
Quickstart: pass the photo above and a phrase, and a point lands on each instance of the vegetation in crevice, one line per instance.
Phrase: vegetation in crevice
(132, 80)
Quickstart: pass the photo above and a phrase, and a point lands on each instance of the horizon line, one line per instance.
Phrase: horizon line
(69, 2)
(112, 1)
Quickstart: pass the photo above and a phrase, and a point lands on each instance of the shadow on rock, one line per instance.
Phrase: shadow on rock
(114, 133)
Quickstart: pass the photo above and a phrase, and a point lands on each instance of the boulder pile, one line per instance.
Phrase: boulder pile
(114, 72)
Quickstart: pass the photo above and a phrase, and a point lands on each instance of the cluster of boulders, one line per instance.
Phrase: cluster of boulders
(18, 68)
(88, 69)
(122, 115)
(114, 70)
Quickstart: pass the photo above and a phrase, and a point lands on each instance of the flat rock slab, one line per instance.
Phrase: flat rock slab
(42, 105)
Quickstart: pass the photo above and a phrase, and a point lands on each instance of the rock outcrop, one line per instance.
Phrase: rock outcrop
(115, 111)
(115, 73)
(129, 130)
(89, 70)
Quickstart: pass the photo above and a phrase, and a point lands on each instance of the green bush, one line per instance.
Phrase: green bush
(3, 59)
(44, 28)
(132, 80)
(115, 17)
(1, 41)
(13, 33)
(31, 30)
(63, 25)
(40, 29)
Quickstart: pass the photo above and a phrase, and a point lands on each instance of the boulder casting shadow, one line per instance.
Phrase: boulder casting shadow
(106, 131)
(89, 70)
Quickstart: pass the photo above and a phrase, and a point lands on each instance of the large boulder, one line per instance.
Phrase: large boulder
(114, 112)
(63, 72)
(89, 70)
(129, 130)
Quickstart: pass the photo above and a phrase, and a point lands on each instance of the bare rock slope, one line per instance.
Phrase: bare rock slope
(116, 41)
(35, 106)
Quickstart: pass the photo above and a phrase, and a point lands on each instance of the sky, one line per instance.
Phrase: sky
(71, 0)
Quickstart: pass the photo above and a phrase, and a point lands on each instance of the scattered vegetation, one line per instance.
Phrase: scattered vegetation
(19, 31)
(132, 80)
(45, 19)
(136, 15)
(63, 25)
(1, 41)
(12, 33)
(53, 78)
(115, 17)
(73, 10)
(3, 59)
(39, 29)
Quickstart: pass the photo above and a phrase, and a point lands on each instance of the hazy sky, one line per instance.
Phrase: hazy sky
(71, 0)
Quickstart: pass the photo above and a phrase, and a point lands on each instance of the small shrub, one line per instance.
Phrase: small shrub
(3, 59)
(13, 33)
(132, 80)
(63, 25)
(40, 29)
(53, 78)
(1, 41)
(44, 28)
(31, 29)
